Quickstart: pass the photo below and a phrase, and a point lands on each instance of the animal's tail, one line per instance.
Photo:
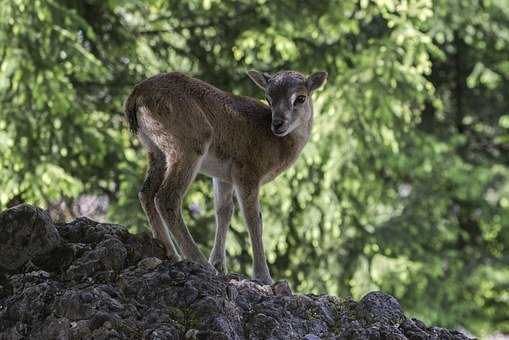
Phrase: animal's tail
(131, 111)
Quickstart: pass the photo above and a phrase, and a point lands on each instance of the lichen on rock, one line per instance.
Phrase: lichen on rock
(88, 280)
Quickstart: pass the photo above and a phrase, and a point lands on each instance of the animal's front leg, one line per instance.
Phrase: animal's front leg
(249, 203)
(223, 203)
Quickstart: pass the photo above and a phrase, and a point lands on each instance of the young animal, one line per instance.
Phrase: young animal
(190, 126)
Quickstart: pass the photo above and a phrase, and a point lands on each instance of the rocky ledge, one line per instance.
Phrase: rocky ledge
(88, 280)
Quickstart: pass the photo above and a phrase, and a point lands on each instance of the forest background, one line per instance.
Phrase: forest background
(404, 186)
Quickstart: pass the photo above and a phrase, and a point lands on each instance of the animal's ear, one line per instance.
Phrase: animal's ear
(259, 78)
(316, 80)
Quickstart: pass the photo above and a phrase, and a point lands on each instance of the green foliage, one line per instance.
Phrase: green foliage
(404, 186)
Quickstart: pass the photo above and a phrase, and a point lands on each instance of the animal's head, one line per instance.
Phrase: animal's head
(289, 97)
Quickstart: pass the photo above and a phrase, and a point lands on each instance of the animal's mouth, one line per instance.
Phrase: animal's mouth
(280, 131)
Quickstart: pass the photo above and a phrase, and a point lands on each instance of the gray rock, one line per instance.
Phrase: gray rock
(162, 332)
(149, 263)
(282, 288)
(97, 281)
(311, 337)
(262, 326)
(25, 232)
(378, 307)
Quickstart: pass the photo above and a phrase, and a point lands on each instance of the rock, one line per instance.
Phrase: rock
(192, 334)
(231, 293)
(162, 332)
(311, 337)
(282, 288)
(149, 263)
(378, 307)
(25, 232)
(97, 281)
(262, 326)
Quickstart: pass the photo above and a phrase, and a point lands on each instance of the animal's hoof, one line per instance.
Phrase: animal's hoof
(263, 280)
(282, 288)
(211, 268)
(171, 255)
(219, 265)
(172, 258)
(197, 257)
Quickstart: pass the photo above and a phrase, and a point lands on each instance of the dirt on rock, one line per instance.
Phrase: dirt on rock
(90, 280)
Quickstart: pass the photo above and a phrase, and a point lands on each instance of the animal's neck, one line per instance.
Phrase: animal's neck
(303, 131)
(296, 140)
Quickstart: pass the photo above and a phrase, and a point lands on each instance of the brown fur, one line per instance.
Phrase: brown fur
(188, 125)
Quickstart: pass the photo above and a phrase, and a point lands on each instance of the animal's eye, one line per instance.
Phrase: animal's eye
(300, 99)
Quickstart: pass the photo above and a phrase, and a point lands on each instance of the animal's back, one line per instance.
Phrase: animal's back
(237, 122)
(173, 88)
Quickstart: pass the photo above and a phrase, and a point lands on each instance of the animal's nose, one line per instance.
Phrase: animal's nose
(278, 123)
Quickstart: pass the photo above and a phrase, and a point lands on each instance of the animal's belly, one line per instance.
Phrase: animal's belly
(214, 167)
(276, 170)
(270, 176)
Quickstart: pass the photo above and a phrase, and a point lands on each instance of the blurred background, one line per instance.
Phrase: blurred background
(404, 186)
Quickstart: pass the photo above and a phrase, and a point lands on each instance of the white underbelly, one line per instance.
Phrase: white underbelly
(214, 167)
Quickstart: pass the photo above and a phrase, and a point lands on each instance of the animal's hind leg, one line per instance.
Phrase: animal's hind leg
(152, 183)
(169, 199)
